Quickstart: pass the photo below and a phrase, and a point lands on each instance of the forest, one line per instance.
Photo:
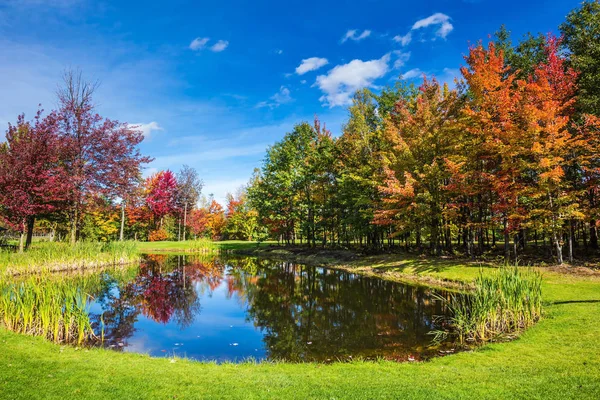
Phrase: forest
(505, 157)
(507, 154)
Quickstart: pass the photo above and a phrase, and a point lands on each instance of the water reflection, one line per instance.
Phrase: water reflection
(239, 308)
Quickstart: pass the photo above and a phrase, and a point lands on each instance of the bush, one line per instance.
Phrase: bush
(158, 235)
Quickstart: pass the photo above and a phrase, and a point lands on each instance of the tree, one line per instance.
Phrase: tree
(581, 37)
(101, 155)
(360, 167)
(161, 195)
(491, 145)
(548, 108)
(33, 181)
(523, 58)
(242, 220)
(189, 187)
(424, 135)
(215, 219)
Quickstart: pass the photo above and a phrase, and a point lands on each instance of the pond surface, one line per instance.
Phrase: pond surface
(235, 309)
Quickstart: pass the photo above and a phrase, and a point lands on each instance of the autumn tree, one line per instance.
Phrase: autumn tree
(215, 219)
(161, 195)
(189, 187)
(101, 155)
(33, 181)
(242, 220)
(423, 134)
(548, 108)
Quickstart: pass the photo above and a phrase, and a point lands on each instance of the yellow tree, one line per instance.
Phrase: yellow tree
(423, 135)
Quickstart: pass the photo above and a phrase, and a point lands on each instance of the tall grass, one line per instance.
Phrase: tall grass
(54, 256)
(506, 301)
(51, 308)
(204, 246)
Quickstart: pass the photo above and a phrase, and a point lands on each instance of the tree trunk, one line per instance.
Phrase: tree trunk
(555, 239)
(184, 220)
(122, 221)
(30, 225)
(506, 242)
(22, 238)
(593, 235)
(571, 232)
(74, 218)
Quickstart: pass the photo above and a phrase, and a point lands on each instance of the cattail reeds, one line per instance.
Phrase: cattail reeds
(51, 308)
(507, 301)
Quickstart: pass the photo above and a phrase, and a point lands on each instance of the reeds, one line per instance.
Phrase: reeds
(204, 246)
(507, 301)
(41, 306)
(54, 256)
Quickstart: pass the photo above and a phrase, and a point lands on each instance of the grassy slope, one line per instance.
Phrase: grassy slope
(557, 358)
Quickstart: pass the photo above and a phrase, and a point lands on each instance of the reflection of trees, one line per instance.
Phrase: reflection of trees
(305, 313)
(163, 291)
(310, 313)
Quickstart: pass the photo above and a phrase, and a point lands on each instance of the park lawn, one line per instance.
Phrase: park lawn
(185, 246)
(558, 358)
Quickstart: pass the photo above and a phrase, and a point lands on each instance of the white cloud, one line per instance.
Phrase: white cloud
(352, 35)
(148, 128)
(303, 81)
(445, 27)
(198, 43)
(311, 64)
(403, 40)
(342, 81)
(279, 98)
(436, 19)
(413, 73)
(401, 58)
(219, 46)
(279, 51)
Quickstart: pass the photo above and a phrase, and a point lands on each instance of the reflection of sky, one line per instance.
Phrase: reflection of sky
(219, 325)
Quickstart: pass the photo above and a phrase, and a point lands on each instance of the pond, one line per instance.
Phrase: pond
(240, 308)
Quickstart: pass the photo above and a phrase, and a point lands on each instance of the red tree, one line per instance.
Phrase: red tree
(32, 179)
(101, 155)
(161, 194)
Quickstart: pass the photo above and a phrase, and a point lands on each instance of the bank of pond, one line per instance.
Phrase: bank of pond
(239, 308)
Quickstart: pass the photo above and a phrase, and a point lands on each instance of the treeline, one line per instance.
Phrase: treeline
(170, 206)
(59, 166)
(73, 175)
(510, 154)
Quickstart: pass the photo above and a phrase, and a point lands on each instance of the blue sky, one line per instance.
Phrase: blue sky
(214, 83)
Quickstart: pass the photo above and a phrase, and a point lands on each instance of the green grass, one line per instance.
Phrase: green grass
(198, 245)
(558, 358)
(55, 256)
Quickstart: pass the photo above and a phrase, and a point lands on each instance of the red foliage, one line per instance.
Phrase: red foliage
(161, 194)
(198, 221)
(32, 178)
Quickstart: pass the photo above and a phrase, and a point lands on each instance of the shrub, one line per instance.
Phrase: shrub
(158, 235)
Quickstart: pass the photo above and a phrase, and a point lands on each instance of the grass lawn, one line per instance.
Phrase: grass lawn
(559, 358)
(181, 246)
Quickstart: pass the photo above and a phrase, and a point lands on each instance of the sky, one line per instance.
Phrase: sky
(213, 83)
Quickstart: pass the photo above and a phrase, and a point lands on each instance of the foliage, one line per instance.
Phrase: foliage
(33, 181)
(161, 195)
(158, 235)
